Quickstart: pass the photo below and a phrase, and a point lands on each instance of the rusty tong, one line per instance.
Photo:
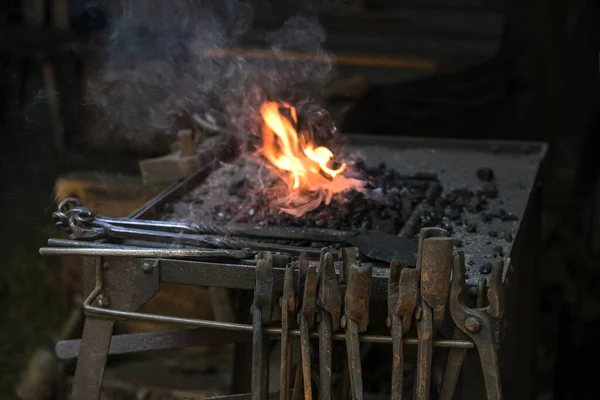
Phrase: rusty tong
(330, 308)
(356, 314)
(261, 314)
(481, 324)
(403, 292)
(433, 263)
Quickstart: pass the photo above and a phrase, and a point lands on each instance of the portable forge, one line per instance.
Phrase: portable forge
(439, 257)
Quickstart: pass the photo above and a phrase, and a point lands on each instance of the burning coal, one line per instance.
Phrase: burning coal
(309, 177)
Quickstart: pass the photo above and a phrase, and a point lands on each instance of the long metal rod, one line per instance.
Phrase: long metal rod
(147, 252)
(55, 242)
(149, 341)
(271, 331)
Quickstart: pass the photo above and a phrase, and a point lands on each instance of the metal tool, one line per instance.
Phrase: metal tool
(356, 318)
(482, 325)
(85, 224)
(306, 321)
(287, 303)
(433, 263)
(261, 314)
(456, 357)
(330, 309)
(403, 288)
(72, 207)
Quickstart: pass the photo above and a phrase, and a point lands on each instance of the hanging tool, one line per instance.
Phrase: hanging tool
(261, 315)
(456, 356)
(403, 290)
(307, 319)
(356, 318)
(287, 303)
(330, 309)
(434, 262)
(482, 325)
(346, 256)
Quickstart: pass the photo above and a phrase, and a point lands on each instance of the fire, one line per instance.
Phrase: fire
(307, 166)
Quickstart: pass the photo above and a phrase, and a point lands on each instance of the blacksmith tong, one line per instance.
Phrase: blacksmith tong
(84, 224)
(481, 324)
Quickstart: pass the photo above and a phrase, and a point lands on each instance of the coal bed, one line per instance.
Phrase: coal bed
(478, 192)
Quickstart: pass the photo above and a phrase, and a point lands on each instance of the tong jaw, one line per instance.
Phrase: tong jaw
(356, 313)
(329, 298)
(482, 325)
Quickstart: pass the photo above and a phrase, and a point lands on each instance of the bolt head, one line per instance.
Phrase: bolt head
(318, 318)
(472, 324)
(102, 301)
(148, 266)
(388, 322)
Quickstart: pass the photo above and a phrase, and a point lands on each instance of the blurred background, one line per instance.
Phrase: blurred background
(481, 69)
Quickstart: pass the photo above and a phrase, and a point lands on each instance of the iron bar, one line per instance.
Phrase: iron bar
(273, 332)
(236, 276)
(126, 251)
(164, 340)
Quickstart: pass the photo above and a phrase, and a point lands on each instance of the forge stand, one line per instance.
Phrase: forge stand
(488, 305)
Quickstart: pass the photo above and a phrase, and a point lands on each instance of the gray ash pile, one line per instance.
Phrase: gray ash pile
(246, 193)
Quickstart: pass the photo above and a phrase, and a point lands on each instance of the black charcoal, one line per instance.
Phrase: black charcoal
(471, 227)
(490, 190)
(499, 213)
(452, 212)
(485, 174)
(485, 269)
(498, 250)
(510, 217)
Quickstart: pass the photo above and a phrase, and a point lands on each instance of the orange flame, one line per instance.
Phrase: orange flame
(306, 164)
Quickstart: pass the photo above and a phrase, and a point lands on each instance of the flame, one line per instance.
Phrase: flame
(307, 166)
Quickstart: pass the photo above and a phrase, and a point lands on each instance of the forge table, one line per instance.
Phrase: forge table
(118, 279)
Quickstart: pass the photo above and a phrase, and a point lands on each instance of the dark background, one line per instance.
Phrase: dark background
(523, 70)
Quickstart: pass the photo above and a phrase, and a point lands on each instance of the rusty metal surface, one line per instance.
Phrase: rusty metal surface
(356, 319)
(482, 325)
(394, 322)
(330, 308)
(456, 357)
(288, 309)
(307, 320)
(435, 275)
(261, 315)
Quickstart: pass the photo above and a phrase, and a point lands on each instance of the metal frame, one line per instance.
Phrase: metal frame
(130, 281)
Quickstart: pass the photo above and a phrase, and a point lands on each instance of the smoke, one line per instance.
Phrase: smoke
(163, 62)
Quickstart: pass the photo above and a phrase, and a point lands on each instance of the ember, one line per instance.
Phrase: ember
(311, 181)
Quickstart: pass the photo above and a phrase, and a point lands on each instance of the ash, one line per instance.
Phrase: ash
(245, 192)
